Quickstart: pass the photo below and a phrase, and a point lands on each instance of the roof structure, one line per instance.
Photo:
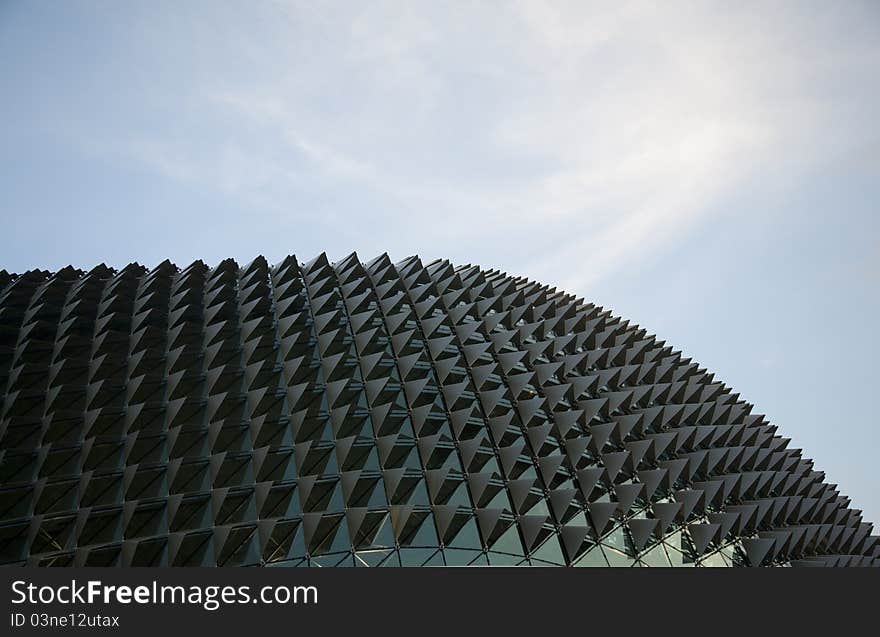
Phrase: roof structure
(379, 414)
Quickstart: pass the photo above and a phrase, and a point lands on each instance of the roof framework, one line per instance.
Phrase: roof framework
(379, 414)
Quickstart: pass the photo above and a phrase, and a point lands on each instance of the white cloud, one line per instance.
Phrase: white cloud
(604, 132)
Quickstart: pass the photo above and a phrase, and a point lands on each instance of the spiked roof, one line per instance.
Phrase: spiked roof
(379, 414)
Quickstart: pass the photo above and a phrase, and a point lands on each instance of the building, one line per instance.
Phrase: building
(379, 414)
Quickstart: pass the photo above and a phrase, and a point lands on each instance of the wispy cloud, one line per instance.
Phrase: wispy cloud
(595, 135)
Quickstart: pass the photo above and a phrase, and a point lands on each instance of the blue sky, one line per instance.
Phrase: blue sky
(709, 170)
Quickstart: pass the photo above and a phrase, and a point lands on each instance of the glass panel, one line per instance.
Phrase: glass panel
(594, 557)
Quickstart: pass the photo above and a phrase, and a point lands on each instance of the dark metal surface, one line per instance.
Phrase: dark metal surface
(379, 414)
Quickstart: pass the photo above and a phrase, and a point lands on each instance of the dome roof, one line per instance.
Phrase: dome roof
(379, 414)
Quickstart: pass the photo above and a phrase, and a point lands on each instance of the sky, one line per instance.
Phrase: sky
(710, 171)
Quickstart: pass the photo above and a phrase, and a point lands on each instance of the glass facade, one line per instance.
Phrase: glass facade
(379, 414)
